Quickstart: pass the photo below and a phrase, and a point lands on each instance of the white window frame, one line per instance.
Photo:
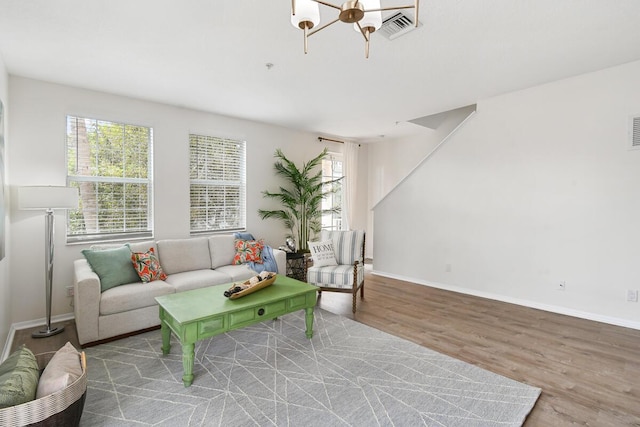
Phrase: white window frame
(333, 220)
(76, 179)
(206, 217)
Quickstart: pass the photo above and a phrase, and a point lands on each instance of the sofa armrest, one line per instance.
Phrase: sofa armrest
(86, 301)
(281, 260)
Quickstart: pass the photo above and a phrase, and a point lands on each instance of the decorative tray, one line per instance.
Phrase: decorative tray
(247, 287)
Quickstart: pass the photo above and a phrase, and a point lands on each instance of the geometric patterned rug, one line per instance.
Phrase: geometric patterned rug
(270, 374)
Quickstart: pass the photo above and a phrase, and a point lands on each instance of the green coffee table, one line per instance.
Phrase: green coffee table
(203, 313)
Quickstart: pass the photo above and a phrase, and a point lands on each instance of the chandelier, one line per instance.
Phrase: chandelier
(365, 15)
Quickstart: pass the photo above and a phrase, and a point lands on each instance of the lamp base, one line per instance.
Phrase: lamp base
(47, 332)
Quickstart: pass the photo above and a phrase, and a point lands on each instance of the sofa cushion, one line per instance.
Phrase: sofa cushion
(143, 246)
(336, 276)
(197, 279)
(148, 266)
(113, 266)
(222, 250)
(131, 297)
(19, 375)
(179, 255)
(62, 370)
(347, 245)
(237, 272)
(134, 246)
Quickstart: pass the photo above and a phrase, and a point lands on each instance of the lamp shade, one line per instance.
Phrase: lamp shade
(306, 10)
(47, 197)
(370, 19)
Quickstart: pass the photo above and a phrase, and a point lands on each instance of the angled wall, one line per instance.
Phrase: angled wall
(538, 188)
(391, 161)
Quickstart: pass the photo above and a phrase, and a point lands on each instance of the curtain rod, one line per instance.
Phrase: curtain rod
(321, 138)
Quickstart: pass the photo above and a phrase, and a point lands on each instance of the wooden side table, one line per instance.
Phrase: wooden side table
(295, 266)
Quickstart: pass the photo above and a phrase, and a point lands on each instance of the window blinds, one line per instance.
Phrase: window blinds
(217, 184)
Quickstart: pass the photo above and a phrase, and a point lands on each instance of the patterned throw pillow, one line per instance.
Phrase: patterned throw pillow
(248, 250)
(147, 266)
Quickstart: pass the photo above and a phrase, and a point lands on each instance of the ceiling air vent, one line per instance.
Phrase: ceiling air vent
(634, 132)
(397, 25)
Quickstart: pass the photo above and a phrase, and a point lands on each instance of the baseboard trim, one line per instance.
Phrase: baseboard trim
(30, 324)
(118, 337)
(525, 303)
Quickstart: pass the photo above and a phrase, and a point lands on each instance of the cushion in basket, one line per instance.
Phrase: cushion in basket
(62, 370)
(113, 266)
(19, 375)
(322, 253)
(147, 266)
(248, 250)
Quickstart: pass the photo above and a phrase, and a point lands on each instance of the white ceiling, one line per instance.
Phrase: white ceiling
(212, 55)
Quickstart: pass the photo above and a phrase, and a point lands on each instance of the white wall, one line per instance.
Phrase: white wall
(5, 289)
(538, 188)
(38, 157)
(390, 161)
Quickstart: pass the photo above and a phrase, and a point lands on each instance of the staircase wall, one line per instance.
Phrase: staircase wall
(540, 187)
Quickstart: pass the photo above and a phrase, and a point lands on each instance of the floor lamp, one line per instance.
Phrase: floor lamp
(48, 198)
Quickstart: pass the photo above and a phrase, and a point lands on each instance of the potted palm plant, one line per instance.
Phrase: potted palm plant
(301, 198)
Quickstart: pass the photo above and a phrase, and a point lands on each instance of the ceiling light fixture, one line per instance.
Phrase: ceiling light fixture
(365, 15)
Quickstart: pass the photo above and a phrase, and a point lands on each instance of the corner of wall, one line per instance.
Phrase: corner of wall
(5, 289)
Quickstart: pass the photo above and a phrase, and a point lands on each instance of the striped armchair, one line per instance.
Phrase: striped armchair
(348, 275)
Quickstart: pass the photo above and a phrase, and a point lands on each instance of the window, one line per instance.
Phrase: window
(111, 165)
(331, 170)
(217, 184)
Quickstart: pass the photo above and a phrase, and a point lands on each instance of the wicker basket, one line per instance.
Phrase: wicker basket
(63, 408)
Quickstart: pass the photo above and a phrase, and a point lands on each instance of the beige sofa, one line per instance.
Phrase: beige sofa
(189, 264)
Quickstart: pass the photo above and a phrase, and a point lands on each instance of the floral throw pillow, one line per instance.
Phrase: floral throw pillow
(147, 266)
(248, 250)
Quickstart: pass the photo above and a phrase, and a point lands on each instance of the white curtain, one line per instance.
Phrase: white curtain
(349, 183)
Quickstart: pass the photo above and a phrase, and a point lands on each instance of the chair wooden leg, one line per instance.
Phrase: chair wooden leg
(354, 286)
(362, 291)
(355, 293)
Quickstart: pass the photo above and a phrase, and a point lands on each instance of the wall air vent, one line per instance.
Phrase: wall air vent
(634, 132)
(397, 25)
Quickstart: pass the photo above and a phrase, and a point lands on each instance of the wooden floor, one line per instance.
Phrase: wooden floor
(44, 345)
(589, 372)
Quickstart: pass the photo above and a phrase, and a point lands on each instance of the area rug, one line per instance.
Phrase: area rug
(270, 374)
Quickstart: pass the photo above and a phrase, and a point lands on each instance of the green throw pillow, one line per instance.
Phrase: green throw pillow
(19, 376)
(113, 266)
